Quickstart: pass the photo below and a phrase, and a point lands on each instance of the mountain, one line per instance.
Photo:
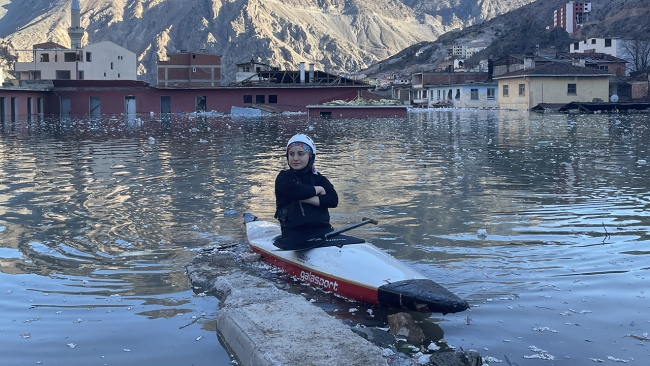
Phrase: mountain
(521, 31)
(337, 35)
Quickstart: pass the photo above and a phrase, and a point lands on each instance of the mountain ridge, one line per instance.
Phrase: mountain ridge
(337, 35)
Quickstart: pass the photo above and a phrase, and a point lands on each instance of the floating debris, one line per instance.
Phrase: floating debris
(618, 359)
(643, 337)
(544, 329)
(490, 360)
(72, 345)
(540, 354)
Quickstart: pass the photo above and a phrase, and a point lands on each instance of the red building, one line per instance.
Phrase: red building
(95, 98)
(189, 70)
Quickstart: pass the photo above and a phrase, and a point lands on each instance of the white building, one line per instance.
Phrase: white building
(99, 61)
(469, 95)
(612, 46)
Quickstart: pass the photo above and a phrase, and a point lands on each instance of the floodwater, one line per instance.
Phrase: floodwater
(539, 221)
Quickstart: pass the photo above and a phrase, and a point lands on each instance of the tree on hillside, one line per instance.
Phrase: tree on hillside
(637, 51)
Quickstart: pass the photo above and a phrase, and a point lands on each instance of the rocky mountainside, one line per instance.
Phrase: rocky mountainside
(337, 35)
(522, 30)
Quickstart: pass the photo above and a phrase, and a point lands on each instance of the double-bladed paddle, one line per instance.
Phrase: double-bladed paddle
(319, 240)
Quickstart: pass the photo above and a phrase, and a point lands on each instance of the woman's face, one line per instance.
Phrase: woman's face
(298, 158)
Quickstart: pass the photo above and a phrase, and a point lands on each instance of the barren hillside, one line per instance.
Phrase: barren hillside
(336, 35)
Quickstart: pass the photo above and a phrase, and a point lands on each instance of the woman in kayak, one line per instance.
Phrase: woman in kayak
(302, 197)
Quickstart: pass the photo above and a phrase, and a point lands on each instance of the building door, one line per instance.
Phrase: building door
(200, 104)
(95, 110)
(129, 107)
(66, 106)
(165, 105)
(3, 110)
(30, 109)
(14, 109)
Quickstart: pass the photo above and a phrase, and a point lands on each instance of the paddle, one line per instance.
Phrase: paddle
(319, 240)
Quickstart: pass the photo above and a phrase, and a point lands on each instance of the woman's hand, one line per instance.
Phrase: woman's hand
(312, 201)
(319, 190)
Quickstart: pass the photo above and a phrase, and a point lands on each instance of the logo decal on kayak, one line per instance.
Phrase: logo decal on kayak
(319, 281)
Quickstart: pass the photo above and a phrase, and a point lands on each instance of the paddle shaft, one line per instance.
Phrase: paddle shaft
(364, 220)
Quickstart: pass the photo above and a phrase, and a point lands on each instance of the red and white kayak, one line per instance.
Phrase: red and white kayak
(359, 272)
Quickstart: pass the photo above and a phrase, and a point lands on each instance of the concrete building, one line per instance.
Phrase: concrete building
(189, 70)
(99, 61)
(599, 61)
(557, 82)
(469, 95)
(249, 70)
(570, 16)
(611, 46)
(421, 80)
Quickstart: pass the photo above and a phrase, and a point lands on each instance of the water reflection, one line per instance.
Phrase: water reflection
(533, 218)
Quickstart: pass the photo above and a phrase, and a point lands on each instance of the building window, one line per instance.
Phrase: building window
(193, 56)
(273, 99)
(593, 41)
(63, 74)
(104, 74)
(259, 99)
(571, 89)
(474, 94)
(45, 57)
(505, 90)
(81, 74)
(522, 90)
(248, 98)
(69, 57)
(608, 42)
(491, 93)
(88, 57)
(457, 94)
(194, 69)
(111, 66)
(603, 68)
(576, 46)
(438, 94)
(118, 74)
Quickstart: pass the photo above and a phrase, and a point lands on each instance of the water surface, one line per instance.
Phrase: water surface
(539, 221)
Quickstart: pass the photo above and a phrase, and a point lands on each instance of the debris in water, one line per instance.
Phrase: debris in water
(72, 345)
(618, 359)
(540, 354)
(643, 337)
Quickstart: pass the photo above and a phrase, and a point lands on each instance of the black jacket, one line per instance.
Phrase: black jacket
(292, 186)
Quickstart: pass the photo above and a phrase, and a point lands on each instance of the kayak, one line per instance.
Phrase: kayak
(360, 272)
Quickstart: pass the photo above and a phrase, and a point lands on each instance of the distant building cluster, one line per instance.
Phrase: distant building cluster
(101, 78)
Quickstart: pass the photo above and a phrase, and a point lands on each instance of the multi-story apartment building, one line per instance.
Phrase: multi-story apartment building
(570, 16)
